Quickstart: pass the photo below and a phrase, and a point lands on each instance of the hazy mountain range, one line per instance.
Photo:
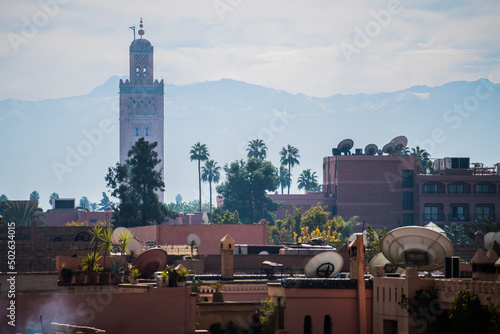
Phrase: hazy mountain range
(66, 145)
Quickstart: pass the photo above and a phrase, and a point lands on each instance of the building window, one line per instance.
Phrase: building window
(137, 132)
(308, 325)
(482, 188)
(458, 213)
(146, 132)
(408, 219)
(456, 188)
(431, 213)
(137, 71)
(407, 178)
(144, 72)
(482, 212)
(430, 188)
(327, 326)
(407, 200)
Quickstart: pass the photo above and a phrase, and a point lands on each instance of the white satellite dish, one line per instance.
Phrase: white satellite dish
(400, 142)
(115, 236)
(380, 260)
(205, 218)
(134, 247)
(193, 241)
(488, 239)
(371, 149)
(352, 237)
(389, 148)
(416, 246)
(345, 145)
(496, 237)
(324, 265)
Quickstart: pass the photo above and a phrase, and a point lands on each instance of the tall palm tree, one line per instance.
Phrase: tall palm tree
(199, 152)
(308, 181)
(211, 173)
(426, 165)
(284, 177)
(289, 156)
(22, 213)
(257, 149)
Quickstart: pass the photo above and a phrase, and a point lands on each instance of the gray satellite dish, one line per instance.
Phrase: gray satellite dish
(371, 149)
(380, 152)
(400, 142)
(389, 148)
(416, 246)
(488, 239)
(380, 260)
(115, 236)
(193, 241)
(345, 145)
(324, 265)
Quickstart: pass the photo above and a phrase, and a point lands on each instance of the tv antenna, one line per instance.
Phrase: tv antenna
(133, 28)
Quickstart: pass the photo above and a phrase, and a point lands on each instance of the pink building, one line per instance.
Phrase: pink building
(303, 201)
(389, 191)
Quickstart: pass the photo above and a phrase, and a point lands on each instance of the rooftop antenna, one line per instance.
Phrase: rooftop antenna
(133, 28)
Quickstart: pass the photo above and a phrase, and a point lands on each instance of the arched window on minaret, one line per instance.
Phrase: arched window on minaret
(146, 133)
(137, 71)
(145, 72)
(137, 132)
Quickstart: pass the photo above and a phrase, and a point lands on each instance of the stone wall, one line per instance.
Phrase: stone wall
(36, 248)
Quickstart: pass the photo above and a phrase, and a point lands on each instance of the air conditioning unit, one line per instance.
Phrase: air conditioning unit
(359, 151)
(439, 164)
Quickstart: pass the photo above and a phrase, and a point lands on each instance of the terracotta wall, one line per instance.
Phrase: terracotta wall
(154, 311)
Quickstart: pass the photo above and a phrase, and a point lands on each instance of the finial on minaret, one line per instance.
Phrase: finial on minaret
(141, 31)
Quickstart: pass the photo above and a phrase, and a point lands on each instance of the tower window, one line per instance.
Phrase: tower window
(146, 132)
(137, 71)
(145, 71)
(137, 132)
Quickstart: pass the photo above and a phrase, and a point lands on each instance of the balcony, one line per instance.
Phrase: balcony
(459, 217)
(434, 217)
(493, 217)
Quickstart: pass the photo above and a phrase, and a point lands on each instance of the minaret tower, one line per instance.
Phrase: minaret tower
(141, 102)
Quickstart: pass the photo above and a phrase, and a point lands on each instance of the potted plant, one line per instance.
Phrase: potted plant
(116, 267)
(103, 276)
(217, 296)
(91, 266)
(134, 275)
(163, 283)
(182, 275)
(66, 273)
(173, 277)
(79, 275)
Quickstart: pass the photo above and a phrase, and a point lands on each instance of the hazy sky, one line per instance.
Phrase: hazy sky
(59, 48)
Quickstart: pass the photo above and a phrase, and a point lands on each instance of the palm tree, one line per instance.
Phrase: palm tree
(199, 152)
(284, 177)
(22, 213)
(289, 156)
(308, 181)
(34, 196)
(52, 196)
(211, 173)
(257, 149)
(426, 165)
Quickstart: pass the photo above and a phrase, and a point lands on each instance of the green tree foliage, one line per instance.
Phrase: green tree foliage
(426, 164)
(224, 218)
(192, 206)
(280, 233)
(257, 149)
(34, 196)
(22, 213)
(105, 203)
(84, 202)
(308, 181)
(54, 195)
(245, 188)
(4, 197)
(178, 198)
(284, 177)
(210, 172)
(456, 233)
(484, 225)
(200, 153)
(289, 156)
(373, 242)
(467, 314)
(135, 183)
(268, 315)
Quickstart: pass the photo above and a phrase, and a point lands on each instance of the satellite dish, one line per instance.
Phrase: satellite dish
(371, 149)
(345, 145)
(400, 142)
(416, 246)
(380, 260)
(389, 148)
(352, 237)
(205, 218)
(115, 237)
(324, 265)
(380, 152)
(496, 237)
(488, 239)
(134, 248)
(193, 241)
(151, 261)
